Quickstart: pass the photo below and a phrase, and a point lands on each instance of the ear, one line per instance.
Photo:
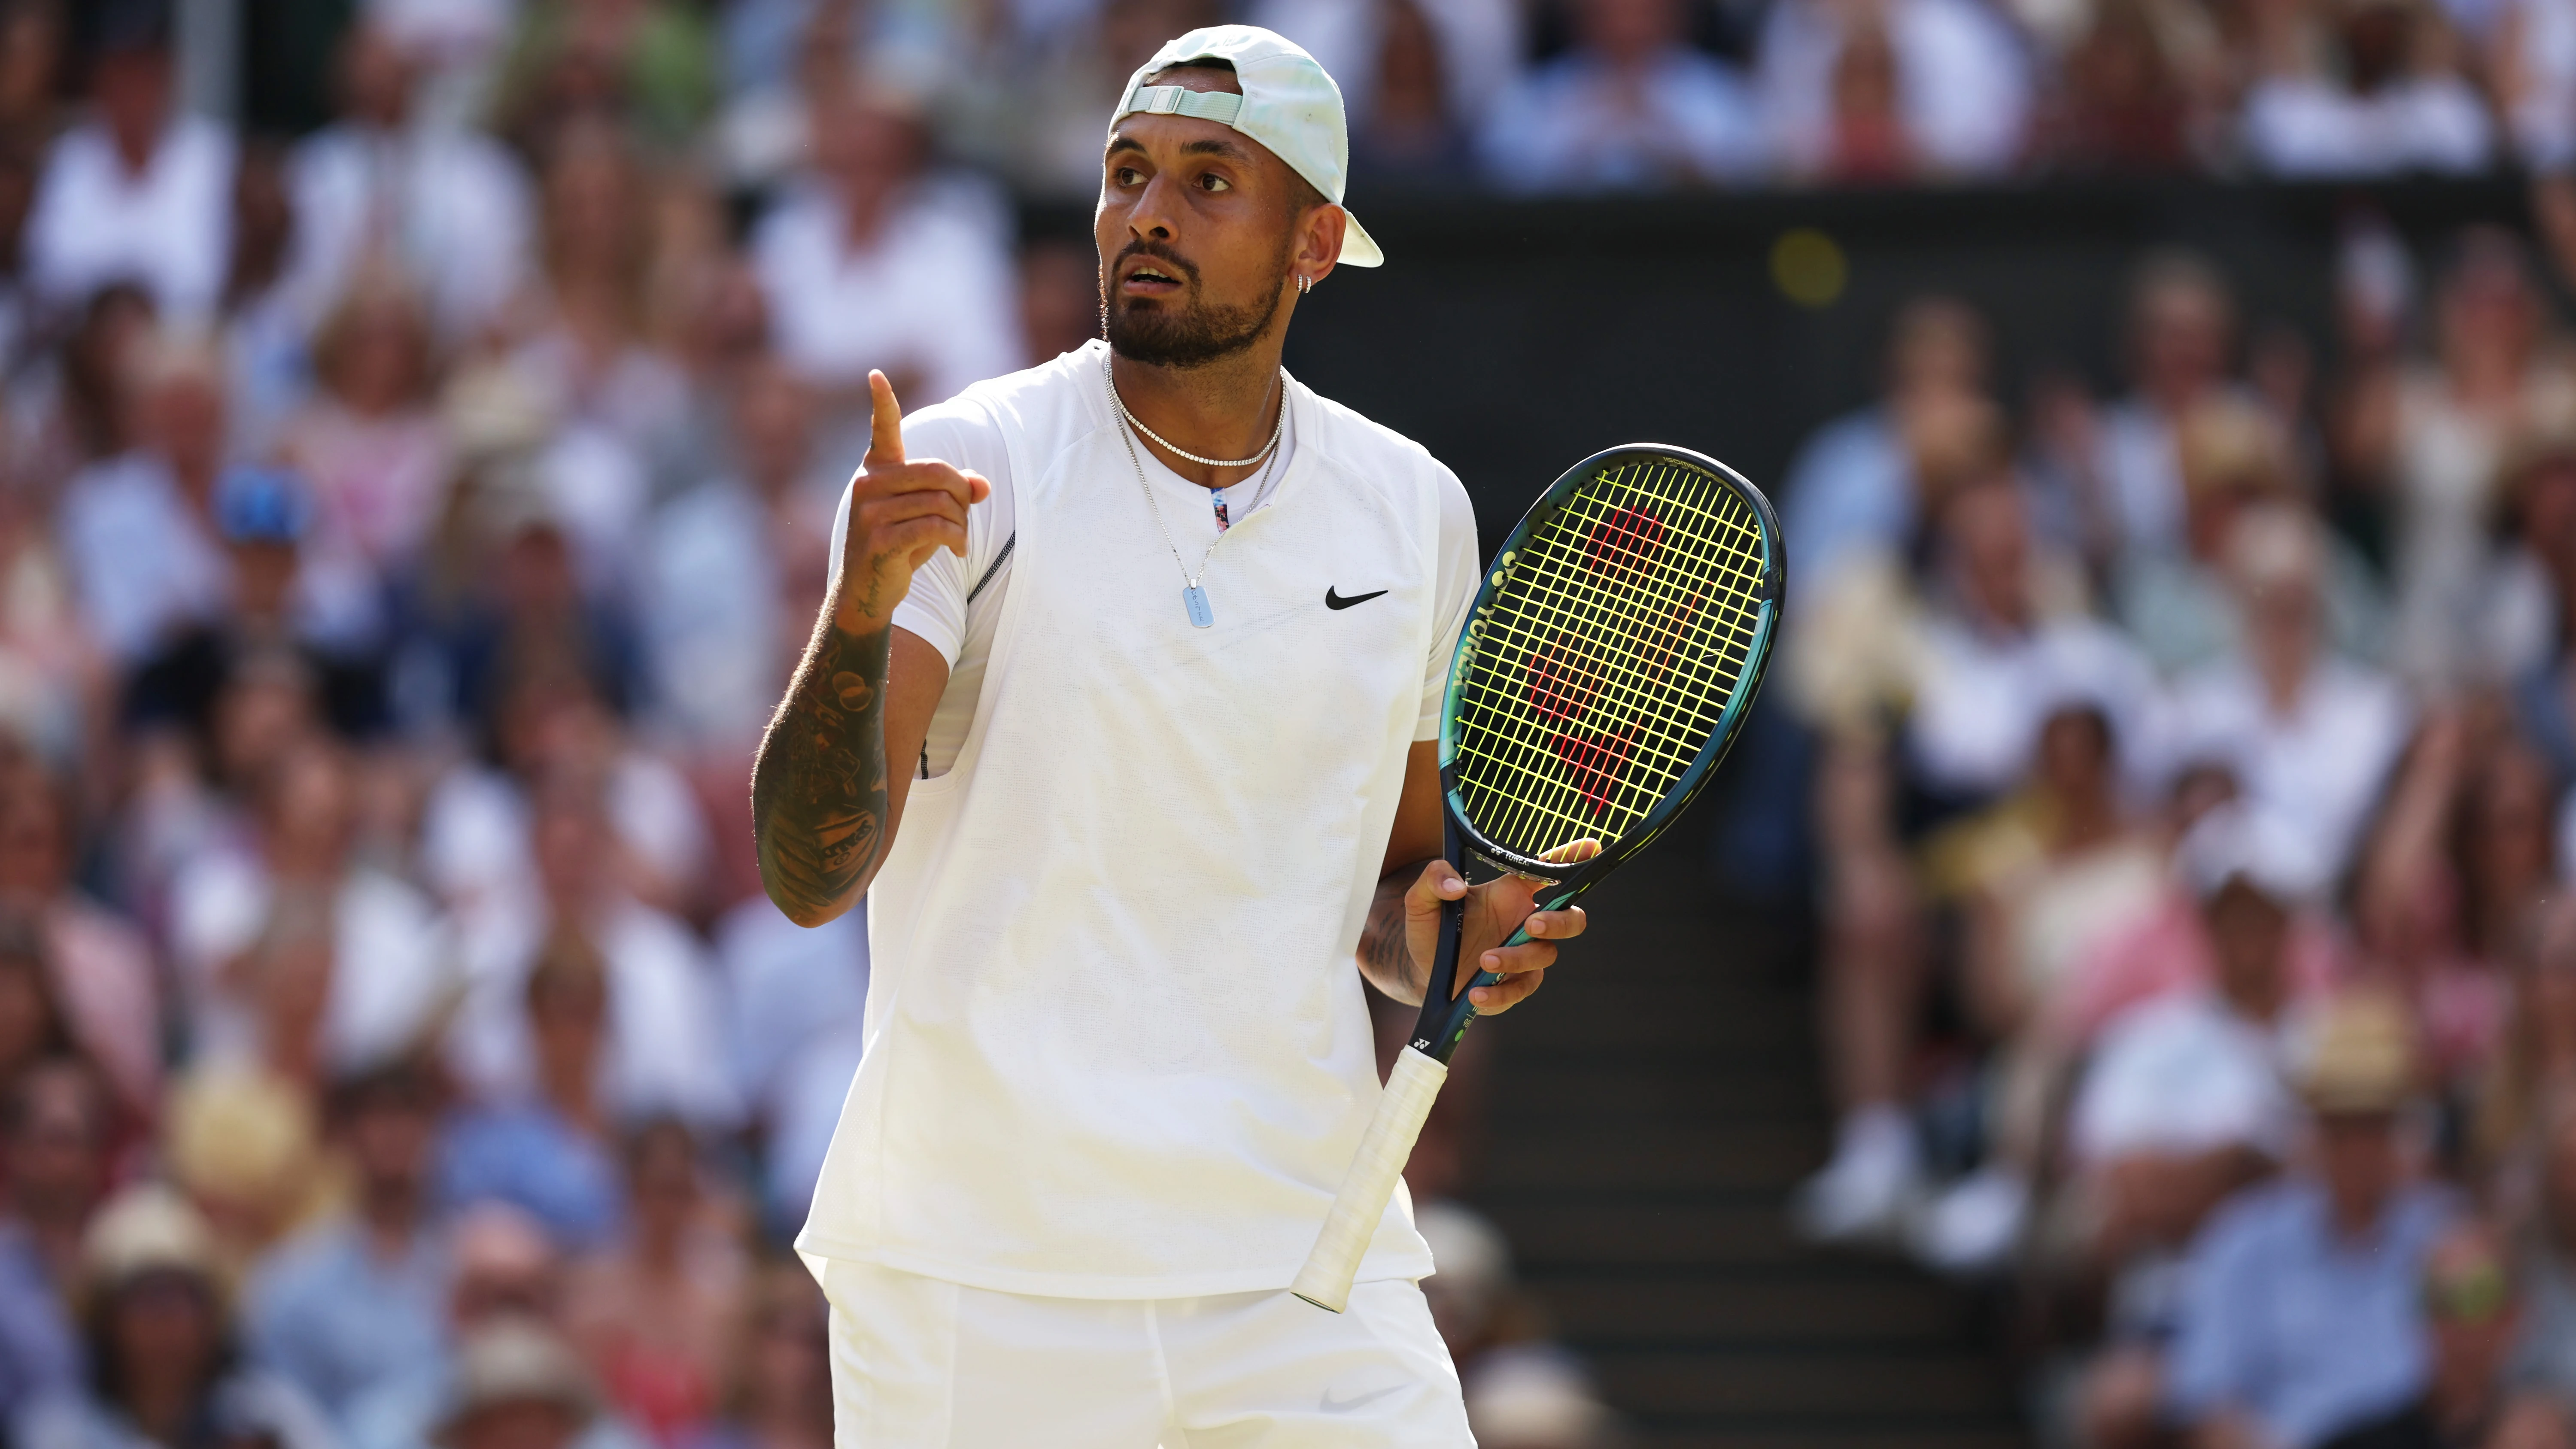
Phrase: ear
(1319, 241)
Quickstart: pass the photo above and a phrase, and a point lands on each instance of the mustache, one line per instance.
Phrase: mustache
(1143, 247)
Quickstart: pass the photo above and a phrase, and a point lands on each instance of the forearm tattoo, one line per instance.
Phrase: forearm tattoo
(1386, 950)
(818, 787)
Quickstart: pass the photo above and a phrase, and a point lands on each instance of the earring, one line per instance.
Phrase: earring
(1305, 284)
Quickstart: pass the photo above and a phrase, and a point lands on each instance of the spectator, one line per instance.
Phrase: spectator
(2461, 855)
(719, 646)
(647, 67)
(34, 1029)
(783, 1397)
(165, 1361)
(547, 1151)
(2182, 325)
(372, 444)
(291, 604)
(356, 1302)
(2390, 101)
(867, 265)
(2310, 736)
(1887, 91)
(1631, 107)
(382, 188)
(384, 956)
(2050, 875)
(2488, 385)
(54, 1145)
(2301, 1316)
(1417, 75)
(657, 1315)
(2473, 1312)
(1858, 485)
(137, 192)
(516, 1386)
(137, 531)
(586, 341)
(2182, 1101)
(2121, 106)
(506, 1278)
(103, 974)
(2180, 604)
(262, 322)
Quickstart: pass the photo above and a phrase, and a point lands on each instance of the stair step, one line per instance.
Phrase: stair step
(1826, 1385)
(1653, 1154)
(1704, 1311)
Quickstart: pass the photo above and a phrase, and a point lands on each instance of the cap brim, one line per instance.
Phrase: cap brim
(1359, 249)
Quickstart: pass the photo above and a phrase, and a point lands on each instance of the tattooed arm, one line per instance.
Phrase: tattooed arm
(824, 804)
(1401, 940)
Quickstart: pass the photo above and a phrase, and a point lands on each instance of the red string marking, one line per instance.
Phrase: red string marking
(1625, 541)
(1563, 680)
(1594, 765)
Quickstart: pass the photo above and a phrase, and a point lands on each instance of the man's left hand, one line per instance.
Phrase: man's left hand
(1494, 910)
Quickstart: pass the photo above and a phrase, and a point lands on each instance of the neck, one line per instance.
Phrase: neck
(1226, 409)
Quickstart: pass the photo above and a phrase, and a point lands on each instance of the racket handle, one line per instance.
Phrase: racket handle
(1326, 1279)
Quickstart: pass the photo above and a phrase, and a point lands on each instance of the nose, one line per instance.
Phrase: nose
(1156, 214)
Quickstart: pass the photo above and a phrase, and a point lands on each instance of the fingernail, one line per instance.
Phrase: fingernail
(1492, 961)
(1479, 994)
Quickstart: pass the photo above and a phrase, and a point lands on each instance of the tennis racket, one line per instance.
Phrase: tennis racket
(1609, 661)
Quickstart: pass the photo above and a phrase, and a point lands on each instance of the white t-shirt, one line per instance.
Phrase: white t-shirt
(1116, 1045)
(168, 227)
(953, 602)
(2182, 1074)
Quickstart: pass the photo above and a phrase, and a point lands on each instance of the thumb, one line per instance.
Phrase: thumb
(885, 436)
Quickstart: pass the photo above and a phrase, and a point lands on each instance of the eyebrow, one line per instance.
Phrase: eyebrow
(1204, 146)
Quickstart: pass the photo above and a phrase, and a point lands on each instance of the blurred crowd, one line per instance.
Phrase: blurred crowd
(406, 529)
(2191, 777)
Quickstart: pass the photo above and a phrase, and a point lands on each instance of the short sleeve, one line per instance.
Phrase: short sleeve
(935, 608)
(1461, 570)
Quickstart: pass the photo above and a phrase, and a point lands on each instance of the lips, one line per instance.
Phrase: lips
(1147, 276)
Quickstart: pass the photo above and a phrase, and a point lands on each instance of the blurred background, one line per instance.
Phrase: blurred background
(2123, 993)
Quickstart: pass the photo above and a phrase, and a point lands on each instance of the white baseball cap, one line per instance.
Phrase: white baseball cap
(1288, 104)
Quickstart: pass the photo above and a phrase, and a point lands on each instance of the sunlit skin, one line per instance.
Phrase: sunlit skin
(1201, 234)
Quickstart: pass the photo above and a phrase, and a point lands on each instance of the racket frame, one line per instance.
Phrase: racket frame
(1446, 1010)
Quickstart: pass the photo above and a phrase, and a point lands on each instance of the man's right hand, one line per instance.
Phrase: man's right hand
(900, 514)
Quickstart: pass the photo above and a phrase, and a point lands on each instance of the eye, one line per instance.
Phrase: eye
(1210, 181)
(1124, 175)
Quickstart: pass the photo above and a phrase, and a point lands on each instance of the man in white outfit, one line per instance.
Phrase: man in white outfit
(1121, 713)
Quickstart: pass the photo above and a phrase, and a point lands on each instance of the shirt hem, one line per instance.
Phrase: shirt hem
(1378, 1266)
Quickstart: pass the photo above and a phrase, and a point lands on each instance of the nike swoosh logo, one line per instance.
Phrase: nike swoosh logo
(1335, 601)
(1332, 1405)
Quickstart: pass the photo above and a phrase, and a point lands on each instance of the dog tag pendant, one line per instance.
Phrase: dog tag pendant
(1194, 599)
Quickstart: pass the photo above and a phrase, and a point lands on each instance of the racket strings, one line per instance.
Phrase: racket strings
(1607, 658)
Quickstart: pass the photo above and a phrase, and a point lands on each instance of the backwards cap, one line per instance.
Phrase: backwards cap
(1288, 104)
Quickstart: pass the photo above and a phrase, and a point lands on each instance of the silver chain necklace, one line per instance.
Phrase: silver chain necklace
(1166, 444)
(1194, 599)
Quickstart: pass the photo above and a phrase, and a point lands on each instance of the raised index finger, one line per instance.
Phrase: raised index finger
(885, 435)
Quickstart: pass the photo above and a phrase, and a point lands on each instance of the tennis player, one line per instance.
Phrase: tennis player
(1121, 710)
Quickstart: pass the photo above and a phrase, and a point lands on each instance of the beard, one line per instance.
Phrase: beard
(1161, 333)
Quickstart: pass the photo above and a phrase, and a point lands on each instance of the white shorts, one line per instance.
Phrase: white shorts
(918, 1363)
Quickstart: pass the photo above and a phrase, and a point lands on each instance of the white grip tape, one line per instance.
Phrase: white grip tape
(1325, 1281)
